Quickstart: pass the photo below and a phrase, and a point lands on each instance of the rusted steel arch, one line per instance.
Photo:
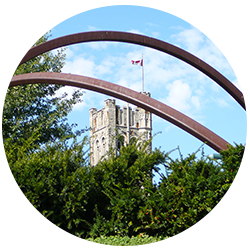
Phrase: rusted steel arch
(140, 40)
(117, 91)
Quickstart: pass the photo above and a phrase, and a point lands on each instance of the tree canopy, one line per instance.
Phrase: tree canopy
(37, 107)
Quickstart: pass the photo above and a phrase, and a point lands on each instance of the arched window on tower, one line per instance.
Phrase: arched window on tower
(103, 146)
(97, 152)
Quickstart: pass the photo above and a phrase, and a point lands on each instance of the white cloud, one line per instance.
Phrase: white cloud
(137, 86)
(92, 28)
(69, 53)
(191, 38)
(199, 45)
(97, 45)
(179, 96)
(80, 66)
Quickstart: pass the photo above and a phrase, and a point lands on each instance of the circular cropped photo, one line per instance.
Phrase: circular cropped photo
(124, 125)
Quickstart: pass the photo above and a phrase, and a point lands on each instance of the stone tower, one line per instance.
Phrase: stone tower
(111, 120)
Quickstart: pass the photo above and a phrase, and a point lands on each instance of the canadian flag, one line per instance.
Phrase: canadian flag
(138, 62)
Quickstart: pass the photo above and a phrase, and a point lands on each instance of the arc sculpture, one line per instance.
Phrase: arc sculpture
(136, 98)
(148, 103)
(116, 36)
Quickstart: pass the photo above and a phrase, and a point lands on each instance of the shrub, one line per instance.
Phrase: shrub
(126, 241)
(54, 180)
(122, 185)
(190, 192)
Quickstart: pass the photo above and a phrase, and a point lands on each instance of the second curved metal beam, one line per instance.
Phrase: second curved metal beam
(182, 121)
(140, 40)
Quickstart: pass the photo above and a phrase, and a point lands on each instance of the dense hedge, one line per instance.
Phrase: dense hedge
(190, 192)
(117, 197)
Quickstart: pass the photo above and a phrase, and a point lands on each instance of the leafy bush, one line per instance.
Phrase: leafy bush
(116, 202)
(54, 179)
(190, 192)
(120, 187)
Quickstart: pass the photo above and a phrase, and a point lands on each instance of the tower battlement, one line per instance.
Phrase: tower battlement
(112, 119)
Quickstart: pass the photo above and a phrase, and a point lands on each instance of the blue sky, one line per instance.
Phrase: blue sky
(168, 79)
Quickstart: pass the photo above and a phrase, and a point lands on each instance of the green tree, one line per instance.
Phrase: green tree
(30, 108)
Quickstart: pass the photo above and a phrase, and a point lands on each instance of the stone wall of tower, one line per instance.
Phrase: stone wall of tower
(106, 122)
(102, 130)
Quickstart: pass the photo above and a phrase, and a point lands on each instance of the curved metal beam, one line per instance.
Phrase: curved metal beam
(143, 101)
(140, 40)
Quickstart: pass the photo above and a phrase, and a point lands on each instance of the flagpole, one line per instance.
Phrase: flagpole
(142, 64)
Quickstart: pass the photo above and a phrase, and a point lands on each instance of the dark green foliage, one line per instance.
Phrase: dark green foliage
(115, 202)
(190, 192)
(123, 183)
(85, 201)
(54, 179)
